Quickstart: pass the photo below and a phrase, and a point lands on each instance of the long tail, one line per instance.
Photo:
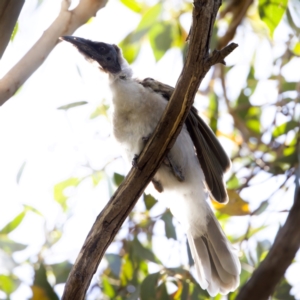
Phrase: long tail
(217, 266)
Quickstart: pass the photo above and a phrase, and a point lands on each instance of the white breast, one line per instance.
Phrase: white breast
(137, 111)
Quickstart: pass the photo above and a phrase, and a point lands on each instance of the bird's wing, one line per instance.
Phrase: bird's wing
(211, 155)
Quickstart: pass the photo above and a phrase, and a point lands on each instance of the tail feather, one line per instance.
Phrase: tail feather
(217, 265)
(201, 257)
(219, 242)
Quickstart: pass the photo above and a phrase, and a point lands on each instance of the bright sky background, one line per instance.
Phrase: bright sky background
(57, 145)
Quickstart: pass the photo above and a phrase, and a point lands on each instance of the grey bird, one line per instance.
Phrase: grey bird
(191, 171)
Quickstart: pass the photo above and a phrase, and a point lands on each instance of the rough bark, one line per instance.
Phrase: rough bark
(9, 13)
(118, 208)
(287, 242)
(65, 24)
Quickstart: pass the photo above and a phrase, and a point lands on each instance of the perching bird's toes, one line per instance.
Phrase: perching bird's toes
(176, 170)
(134, 161)
(157, 185)
(145, 139)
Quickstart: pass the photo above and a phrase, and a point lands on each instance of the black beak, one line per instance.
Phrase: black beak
(76, 41)
(106, 55)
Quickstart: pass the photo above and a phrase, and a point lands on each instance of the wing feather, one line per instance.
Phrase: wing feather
(211, 155)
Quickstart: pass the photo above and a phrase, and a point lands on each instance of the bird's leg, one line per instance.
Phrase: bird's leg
(168, 162)
(176, 170)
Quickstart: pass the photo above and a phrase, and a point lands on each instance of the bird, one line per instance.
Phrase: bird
(190, 173)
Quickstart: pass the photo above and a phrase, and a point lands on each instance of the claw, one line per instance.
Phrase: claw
(134, 161)
(157, 185)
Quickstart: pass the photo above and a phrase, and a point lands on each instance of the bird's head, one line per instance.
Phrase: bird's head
(106, 55)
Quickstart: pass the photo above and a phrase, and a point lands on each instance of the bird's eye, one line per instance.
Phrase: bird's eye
(101, 49)
(108, 58)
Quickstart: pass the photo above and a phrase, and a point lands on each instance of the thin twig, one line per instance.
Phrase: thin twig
(65, 24)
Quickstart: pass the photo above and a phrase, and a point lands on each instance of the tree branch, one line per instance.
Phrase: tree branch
(238, 9)
(287, 242)
(65, 24)
(9, 13)
(118, 208)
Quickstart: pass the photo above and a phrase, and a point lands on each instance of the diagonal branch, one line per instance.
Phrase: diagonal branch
(65, 24)
(118, 208)
(287, 242)
(9, 13)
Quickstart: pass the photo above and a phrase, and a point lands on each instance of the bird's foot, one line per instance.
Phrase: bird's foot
(176, 170)
(135, 161)
(145, 139)
(157, 185)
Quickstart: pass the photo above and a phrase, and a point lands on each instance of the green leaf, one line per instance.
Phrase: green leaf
(213, 111)
(8, 284)
(61, 271)
(97, 177)
(185, 291)
(72, 105)
(290, 159)
(250, 233)
(150, 201)
(160, 37)
(167, 217)
(148, 287)
(262, 207)
(283, 291)
(271, 12)
(32, 209)
(114, 262)
(12, 225)
(118, 178)
(130, 48)
(289, 86)
(99, 111)
(243, 99)
(59, 190)
(132, 43)
(107, 288)
(42, 286)
(126, 270)
(141, 252)
(253, 119)
(20, 172)
(254, 125)
(133, 5)
(149, 19)
(296, 49)
(10, 246)
(162, 293)
(16, 29)
(198, 293)
(284, 128)
(233, 183)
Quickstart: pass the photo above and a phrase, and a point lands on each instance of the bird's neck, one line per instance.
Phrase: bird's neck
(125, 73)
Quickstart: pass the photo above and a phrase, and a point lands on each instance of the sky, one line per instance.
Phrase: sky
(57, 145)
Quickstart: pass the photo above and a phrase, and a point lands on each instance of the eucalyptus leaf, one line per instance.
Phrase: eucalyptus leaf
(167, 217)
(72, 105)
(148, 287)
(271, 12)
(12, 225)
(284, 128)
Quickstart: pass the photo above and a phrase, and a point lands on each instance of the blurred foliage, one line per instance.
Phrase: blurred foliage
(258, 147)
